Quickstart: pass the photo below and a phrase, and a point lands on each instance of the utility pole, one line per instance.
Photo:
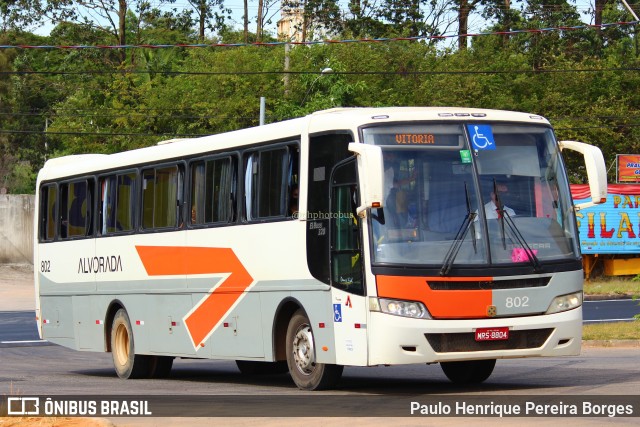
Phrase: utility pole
(262, 112)
(287, 57)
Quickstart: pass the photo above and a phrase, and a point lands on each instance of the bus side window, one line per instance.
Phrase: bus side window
(161, 197)
(124, 202)
(48, 196)
(212, 191)
(269, 175)
(346, 257)
(63, 230)
(117, 193)
(79, 209)
(293, 182)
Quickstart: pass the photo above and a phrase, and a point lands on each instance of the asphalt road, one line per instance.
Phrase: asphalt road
(17, 326)
(615, 310)
(210, 388)
(54, 370)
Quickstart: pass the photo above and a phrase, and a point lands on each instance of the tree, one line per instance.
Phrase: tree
(109, 16)
(363, 21)
(403, 15)
(19, 14)
(266, 13)
(245, 20)
(503, 14)
(320, 18)
(465, 7)
(4, 115)
(207, 16)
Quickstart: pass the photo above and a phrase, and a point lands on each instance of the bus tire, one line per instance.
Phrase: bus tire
(301, 357)
(128, 365)
(468, 372)
(160, 366)
(251, 367)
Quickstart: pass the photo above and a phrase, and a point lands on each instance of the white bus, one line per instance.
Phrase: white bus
(350, 237)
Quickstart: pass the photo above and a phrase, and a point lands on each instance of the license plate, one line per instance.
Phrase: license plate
(492, 334)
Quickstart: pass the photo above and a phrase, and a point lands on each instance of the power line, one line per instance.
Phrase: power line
(69, 113)
(178, 135)
(57, 133)
(326, 41)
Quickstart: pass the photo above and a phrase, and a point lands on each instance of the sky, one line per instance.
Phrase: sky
(476, 22)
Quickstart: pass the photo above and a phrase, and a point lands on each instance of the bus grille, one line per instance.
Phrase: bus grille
(462, 342)
(483, 285)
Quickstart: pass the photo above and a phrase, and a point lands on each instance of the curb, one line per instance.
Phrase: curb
(611, 343)
(608, 297)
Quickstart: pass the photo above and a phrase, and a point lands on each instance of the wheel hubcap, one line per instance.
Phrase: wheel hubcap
(121, 341)
(303, 352)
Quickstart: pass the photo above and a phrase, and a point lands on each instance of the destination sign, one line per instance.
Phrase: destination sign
(409, 138)
(415, 139)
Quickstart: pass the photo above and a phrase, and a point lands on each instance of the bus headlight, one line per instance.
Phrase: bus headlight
(414, 309)
(565, 302)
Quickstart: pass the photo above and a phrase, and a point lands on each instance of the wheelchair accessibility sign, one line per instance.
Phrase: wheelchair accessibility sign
(337, 313)
(481, 137)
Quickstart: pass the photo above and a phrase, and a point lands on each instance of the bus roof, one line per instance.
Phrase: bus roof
(332, 119)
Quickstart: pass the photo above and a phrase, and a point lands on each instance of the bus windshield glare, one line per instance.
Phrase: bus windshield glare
(471, 194)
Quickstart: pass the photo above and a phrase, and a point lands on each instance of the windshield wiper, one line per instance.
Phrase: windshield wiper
(500, 211)
(467, 224)
(531, 256)
(502, 214)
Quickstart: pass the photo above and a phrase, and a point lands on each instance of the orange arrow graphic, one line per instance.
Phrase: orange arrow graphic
(180, 260)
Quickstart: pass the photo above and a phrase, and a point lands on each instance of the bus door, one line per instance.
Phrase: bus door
(347, 279)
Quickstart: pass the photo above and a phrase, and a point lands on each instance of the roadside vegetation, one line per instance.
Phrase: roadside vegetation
(91, 97)
(612, 331)
(613, 287)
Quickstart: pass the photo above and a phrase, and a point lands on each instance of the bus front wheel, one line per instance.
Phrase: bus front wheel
(301, 357)
(126, 362)
(468, 372)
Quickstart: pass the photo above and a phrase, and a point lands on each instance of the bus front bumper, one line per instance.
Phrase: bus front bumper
(401, 340)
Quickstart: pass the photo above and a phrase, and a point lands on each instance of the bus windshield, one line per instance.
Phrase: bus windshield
(467, 194)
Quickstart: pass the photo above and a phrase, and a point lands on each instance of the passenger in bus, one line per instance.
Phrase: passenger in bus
(293, 201)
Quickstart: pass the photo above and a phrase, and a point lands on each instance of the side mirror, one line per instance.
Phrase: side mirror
(371, 174)
(596, 171)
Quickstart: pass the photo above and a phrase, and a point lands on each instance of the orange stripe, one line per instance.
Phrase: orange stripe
(177, 260)
(441, 304)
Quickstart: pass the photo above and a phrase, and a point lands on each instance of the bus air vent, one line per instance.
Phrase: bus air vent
(472, 285)
(463, 342)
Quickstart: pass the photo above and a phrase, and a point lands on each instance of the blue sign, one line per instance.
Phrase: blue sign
(612, 227)
(481, 137)
(337, 313)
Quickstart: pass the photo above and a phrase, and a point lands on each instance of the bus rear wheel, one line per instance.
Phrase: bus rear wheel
(301, 357)
(128, 365)
(468, 372)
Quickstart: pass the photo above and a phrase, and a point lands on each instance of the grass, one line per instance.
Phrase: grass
(612, 286)
(612, 331)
